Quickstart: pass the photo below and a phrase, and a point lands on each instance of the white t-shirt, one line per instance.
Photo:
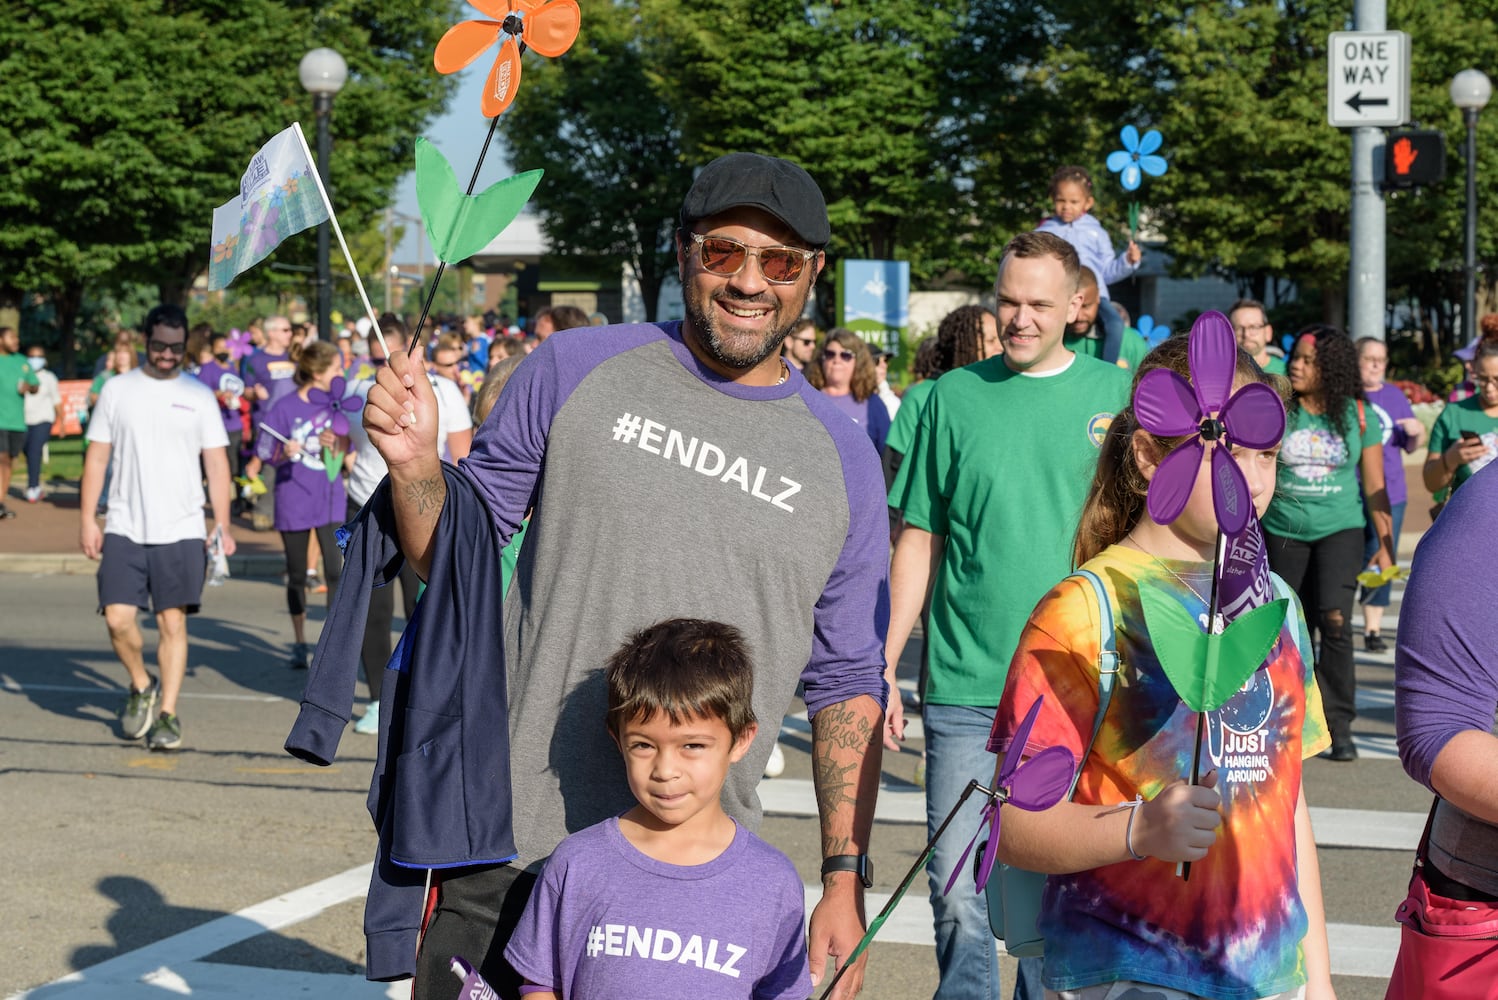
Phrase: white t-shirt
(156, 430)
(41, 406)
(369, 468)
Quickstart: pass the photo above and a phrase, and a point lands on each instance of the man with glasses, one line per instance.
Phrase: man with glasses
(800, 345)
(671, 469)
(1251, 326)
(157, 426)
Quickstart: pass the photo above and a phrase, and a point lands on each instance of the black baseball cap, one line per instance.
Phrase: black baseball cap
(739, 180)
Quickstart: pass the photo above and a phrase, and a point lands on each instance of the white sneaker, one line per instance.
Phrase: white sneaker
(33, 494)
(776, 764)
(369, 722)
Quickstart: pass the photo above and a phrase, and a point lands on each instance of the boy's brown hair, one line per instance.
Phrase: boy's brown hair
(686, 668)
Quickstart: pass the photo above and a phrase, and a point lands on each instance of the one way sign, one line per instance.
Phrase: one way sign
(1368, 78)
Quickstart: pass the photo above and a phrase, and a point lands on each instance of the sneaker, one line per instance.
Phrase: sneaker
(33, 494)
(138, 710)
(776, 764)
(1374, 643)
(166, 734)
(315, 583)
(300, 653)
(369, 722)
(6, 513)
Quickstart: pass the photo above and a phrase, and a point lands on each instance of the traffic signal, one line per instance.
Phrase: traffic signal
(1413, 157)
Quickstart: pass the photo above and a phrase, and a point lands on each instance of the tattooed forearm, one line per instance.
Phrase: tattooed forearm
(426, 496)
(846, 756)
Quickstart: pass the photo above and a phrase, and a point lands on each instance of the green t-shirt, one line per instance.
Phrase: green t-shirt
(1131, 349)
(1000, 466)
(13, 371)
(1465, 415)
(902, 431)
(1318, 493)
(1274, 366)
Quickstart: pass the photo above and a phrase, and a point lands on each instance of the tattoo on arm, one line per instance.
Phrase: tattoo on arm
(427, 495)
(841, 739)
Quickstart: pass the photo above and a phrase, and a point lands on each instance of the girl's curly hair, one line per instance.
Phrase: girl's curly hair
(1341, 383)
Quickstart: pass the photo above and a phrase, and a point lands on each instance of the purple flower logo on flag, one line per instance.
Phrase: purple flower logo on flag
(1168, 406)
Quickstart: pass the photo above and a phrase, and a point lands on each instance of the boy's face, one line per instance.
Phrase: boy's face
(676, 771)
(1072, 201)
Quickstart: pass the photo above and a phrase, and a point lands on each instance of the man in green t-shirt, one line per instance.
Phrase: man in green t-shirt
(16, 381)
(1251, 327)
(991, 491)
(1085, 334)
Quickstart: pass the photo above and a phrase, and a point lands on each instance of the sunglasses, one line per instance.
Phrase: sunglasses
(725, 258)
(808, 341)
(163, 347)
(831, 355)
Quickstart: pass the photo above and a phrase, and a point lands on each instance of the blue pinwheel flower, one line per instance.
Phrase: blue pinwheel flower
(1153, 332)
(1137, 157)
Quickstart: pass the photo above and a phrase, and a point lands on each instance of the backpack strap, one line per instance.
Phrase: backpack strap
(1362, 419)
(1108, 664)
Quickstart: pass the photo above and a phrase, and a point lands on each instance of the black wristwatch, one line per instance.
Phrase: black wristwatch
(857, 863)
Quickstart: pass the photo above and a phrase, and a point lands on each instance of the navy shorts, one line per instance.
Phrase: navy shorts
(152, 577)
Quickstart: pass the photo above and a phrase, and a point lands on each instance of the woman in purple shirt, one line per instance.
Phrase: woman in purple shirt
(296, 437)
(1402, 433)
(847, 376)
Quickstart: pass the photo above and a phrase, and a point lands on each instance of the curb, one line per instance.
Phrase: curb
(253, 567)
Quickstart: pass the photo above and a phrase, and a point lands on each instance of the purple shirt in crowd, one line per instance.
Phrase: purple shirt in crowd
(1389, 405)
(275, 372)
(306, 497)
(872, 415)
(227, 382)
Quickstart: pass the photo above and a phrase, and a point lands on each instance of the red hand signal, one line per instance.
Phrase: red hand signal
(1404, 155)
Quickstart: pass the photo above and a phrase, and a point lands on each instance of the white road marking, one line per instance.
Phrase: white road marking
(15, 687)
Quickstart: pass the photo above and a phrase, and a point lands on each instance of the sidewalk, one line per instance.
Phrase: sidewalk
(43, 538)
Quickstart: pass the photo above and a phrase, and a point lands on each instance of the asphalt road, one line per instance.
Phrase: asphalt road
(231, 869)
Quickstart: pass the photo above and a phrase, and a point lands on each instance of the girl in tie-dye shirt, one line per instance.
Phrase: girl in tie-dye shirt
(1249, 921)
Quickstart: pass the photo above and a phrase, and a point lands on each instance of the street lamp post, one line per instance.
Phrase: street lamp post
(323, 72)
(1470, 90)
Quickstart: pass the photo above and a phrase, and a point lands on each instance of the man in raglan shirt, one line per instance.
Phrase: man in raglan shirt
(680, 469)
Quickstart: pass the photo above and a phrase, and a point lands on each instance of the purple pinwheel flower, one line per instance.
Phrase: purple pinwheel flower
(1151, 331)
(1137, 157)
(339, 405)
(240, 345)
(1168, 406)
(1035, 786)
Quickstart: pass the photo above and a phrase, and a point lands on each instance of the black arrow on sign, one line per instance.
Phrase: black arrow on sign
(1357, 102)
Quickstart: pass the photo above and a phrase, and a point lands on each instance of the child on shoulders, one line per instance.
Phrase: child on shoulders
(673, 898)
(1249, 921)
(1071, 194)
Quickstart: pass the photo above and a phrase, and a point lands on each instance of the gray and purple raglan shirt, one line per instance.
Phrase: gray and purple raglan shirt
(661, 489)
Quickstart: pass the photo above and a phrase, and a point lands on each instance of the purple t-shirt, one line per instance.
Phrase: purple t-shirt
(606, 920)
(305, 496)
(275, 372)
(224, 380)
(1388, 404)
(872, 415)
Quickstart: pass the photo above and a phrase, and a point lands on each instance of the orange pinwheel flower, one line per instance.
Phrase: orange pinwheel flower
(223, 251)
(548, 26)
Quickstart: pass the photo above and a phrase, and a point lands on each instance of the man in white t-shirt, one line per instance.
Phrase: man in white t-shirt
(157, 426)
(455, 435)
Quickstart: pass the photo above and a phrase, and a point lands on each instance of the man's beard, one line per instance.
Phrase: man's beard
(701, 319)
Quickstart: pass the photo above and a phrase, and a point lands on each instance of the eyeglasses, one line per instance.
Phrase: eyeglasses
(725, 257)
(178, 348)
(378, 362)
(807, 341)
(831, 355)
(1249, 327)
(1485, 379)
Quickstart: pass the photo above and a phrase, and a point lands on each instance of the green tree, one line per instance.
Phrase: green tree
(133, 120)
(610, 146)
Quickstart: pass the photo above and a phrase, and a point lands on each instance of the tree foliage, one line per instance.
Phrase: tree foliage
(615, 169)
(132, 120)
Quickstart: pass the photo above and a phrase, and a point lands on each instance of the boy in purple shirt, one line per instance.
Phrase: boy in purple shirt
(673, 898)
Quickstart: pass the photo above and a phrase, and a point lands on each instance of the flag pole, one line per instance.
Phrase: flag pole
(374, 318)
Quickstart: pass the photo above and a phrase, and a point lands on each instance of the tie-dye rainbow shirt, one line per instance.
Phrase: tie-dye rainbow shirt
(1234, 929)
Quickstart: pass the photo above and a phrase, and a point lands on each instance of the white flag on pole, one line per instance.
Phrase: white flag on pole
(278, 197)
